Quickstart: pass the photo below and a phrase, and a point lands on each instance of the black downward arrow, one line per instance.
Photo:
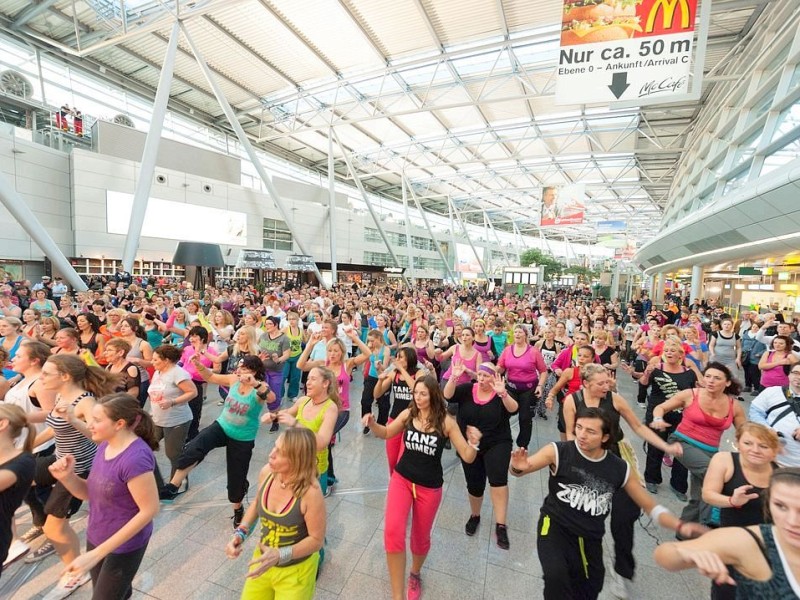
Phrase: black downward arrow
(619, 83)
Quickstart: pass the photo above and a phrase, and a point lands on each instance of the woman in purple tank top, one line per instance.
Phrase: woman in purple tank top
(122, 496)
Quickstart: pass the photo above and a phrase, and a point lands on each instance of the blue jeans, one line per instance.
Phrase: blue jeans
(292, 374)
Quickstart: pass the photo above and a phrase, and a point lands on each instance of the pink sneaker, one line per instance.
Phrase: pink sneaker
(414, 587)
(667, 460)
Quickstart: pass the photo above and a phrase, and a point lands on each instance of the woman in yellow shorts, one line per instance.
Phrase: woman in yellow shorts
(291, 510)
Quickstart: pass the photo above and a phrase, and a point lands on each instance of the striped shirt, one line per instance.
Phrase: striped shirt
(71, 441)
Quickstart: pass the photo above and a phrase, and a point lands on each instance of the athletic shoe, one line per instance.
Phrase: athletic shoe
(274, 427)
(679, 495)
(168, 493)
(66, 585)
(748, 389)
(472, 524)
(30, 535)
(238, 515)
(40, 553)
(328, 491)
(220, 402)
(414, 586)
(17, 550)
(651, 487)
(755, 393)
(621, 587)
(667, 460)
(740, 399)
(501, 531)
(642, 404)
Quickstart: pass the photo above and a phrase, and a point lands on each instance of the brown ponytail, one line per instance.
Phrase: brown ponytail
(17, 421)
(96, 380)
(125, 407)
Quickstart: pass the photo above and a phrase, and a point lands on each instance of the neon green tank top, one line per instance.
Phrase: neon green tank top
(314, 425)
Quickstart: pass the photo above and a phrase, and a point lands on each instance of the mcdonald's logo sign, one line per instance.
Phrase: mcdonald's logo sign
(668, 9)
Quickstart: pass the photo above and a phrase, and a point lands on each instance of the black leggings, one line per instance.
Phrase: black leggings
(367, 400)
(572, 565)
(113, 575)
(341, 421)
(525, 399)
(237, 457)
(196, 406)
(491, 463)
(624, 513)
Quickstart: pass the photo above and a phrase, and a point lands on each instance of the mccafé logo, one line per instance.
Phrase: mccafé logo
(669, 7)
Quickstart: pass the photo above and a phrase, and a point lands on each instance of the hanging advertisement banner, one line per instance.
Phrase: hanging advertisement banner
(466, 261)
(606, 227)
(625, 50)
(563, 205)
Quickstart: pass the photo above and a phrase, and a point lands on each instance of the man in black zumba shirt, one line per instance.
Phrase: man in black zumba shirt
(583, 479)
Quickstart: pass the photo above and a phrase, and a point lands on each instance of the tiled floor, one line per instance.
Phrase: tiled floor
(186, 559)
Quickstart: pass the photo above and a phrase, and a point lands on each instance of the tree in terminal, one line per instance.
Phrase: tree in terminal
(553, 268)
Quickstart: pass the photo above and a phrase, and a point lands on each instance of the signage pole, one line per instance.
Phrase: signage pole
(332, 206)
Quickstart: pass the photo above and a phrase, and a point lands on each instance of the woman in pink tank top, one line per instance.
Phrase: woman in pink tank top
(707, 413)
(466, 354)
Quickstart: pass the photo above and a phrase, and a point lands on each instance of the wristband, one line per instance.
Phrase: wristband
(515, 470)
(658, 419)
(657, 511)
(474, 446)
(284, 555)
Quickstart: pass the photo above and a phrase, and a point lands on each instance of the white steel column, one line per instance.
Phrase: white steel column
(20, 210)
(430, 232)
(332, 206)
(469, 239)
(658, 295)
(409, 251)
(147, 167)
(697, 283)
(368, 202)
(248, 147)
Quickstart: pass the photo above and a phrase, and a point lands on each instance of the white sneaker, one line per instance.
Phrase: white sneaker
(17, 550)
(66, 585)
(621, 587)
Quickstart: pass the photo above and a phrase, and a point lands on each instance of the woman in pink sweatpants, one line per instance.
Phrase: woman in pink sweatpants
(416, 483)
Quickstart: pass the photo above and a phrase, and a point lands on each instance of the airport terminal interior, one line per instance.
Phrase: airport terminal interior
(647, 148)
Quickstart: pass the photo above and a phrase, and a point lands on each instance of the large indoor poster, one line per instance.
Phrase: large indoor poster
(178, 221)
(466, 261)
(563, 205)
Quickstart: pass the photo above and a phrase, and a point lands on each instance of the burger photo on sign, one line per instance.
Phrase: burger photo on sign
(587, 21)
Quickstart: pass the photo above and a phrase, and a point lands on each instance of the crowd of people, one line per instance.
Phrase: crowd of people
(94, 382)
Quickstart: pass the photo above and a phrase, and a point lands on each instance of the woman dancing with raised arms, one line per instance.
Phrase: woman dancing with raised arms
(416, 484)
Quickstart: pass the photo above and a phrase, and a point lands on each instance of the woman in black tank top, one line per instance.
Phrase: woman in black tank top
(416, 484)
(665, 377)
(736, 482)
(764, 557)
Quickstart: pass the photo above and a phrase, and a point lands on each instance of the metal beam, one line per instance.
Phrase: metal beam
(21, 211)
(31, 12)
(409, 252)
(469, 239)
(332, 207)
(150, 153)
(248, 147)
(430, 232)
(368, 202)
